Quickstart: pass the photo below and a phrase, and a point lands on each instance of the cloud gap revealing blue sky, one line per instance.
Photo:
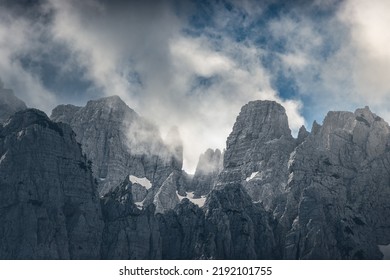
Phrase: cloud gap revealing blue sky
(195, 63)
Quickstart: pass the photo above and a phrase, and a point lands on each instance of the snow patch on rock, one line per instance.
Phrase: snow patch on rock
(3, 157)
(252, 176)
(140, 181)
(140, 204)
(190, 195)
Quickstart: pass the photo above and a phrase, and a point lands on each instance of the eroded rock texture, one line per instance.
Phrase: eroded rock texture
(229, 226)
(49, 207)
(182, 231)
(257, 152)
(120, 143)
(209, 166)
(324, 195)
(236, 228)
(338, 192)
(129, 233)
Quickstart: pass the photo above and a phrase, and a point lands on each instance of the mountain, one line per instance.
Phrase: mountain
(120, 143)
(338, 190)
(257, 152)
(102, 184)
(9, 103)
(329, 189)
(210, 164)
(229, 226)
(129, 233)
(49, 207)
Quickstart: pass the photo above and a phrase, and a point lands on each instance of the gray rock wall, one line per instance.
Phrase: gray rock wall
(338, 191)
(129, 233)
(324, 195)
(209, 166)
(119, 142)
(230, 226)
(258, 151)
(49, 207)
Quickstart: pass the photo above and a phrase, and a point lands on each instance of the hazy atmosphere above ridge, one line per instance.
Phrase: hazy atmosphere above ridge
(194, 64)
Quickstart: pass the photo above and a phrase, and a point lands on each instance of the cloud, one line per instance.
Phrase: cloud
(81, 26)
(368, 48)
(153, 57)
(339, 61)
(198, 83)
(20, 36)
(232, 75)
(191, 54)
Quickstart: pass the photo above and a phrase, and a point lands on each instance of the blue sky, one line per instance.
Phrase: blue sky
(195, 63)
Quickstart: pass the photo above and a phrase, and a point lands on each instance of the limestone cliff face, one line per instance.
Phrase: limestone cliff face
(257, 152)
(65, 113)
(259, 122)
(166, 197)
(229, 226)
(338, 190)
(182, 231)
(49, 207)
(9, 103)
(119, 142)
(324, 195)
(236, 228)
(129, 233)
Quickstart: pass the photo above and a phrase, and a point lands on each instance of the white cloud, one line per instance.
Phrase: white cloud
(169, 64)
(295, 60)
(212, 110)
(87, 40)
(191, 54)
(355, 71)
(368, 49)
(18, 37)
(198, 83)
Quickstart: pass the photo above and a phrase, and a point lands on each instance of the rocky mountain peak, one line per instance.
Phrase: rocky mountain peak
(9, 103)
(28, 117)
(64, 113)
(119, 142)
(347, 121)
(302, 134)
(111, 100)
(362, 128)
(111, 108)
(209, 166)
(366, 116)
(114, 102)
(338, 120)
(267, 118)
(210, 161)
(258, 122)
(324, 195)
(258, 151)
(338, 184)
(315, 128)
